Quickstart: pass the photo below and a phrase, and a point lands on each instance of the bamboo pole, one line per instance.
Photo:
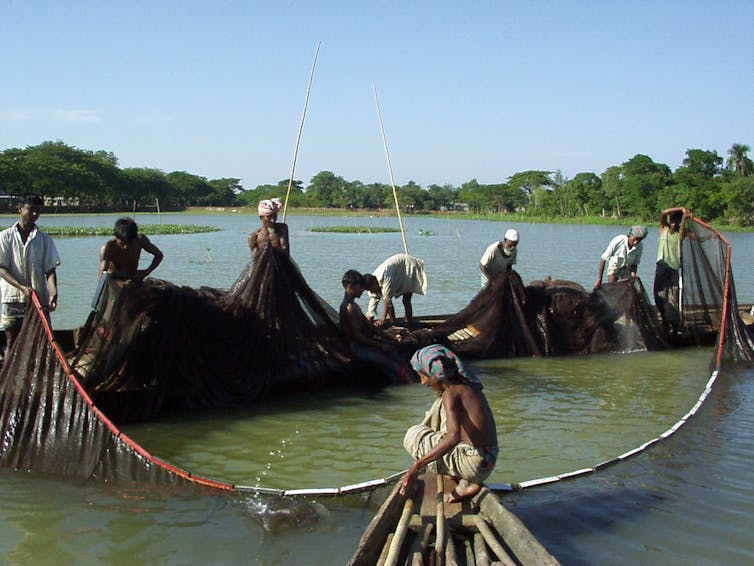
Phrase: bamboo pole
(481, 555)
(489, 537)
(419, 547)
(300, 131)
(400, 533)
(440, 540)
(390, 169)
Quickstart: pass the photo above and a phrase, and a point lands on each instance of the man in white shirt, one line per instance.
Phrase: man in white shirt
(622, 256)
(28, 259)
(499, 257)
(400, 275)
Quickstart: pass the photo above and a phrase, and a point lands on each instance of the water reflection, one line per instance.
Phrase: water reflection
(553, 415)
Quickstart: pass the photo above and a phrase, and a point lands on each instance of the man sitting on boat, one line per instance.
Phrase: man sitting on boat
(400, 275)
(120, 255)
(458, 436)
(367, 342)
(499, 257)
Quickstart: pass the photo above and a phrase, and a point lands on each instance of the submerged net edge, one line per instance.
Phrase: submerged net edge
(50, 425)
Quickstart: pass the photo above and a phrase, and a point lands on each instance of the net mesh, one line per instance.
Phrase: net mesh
(506, 319)
(153, 346)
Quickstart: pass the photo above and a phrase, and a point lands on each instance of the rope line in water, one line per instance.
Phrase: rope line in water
(507, 487)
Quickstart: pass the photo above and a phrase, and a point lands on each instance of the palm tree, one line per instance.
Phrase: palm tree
(739, 161)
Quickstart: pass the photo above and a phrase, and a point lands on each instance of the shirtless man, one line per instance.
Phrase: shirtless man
(272, 233)
(458, 436)
(120, 255)
(367, 342)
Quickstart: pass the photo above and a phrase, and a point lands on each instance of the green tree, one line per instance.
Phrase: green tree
(442, 196)
(412, 197)
(471, 193)
(642, 181)
(737, 195)
(612, 186)
(326, 190)
(697, 182)
(585, 193)
(738, 160)
(523, 186)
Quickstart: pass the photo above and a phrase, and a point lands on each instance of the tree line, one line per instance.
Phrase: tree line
(714, 188)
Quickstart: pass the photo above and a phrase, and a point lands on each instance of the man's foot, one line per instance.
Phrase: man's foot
(463, 490)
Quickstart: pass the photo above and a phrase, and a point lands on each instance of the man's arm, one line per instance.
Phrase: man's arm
(351, 324)
(664, 214)
(157, 256)
(103, 261)
(8, 276)
(282, 230)
(52, 285)
(485, 272)
(600, 274)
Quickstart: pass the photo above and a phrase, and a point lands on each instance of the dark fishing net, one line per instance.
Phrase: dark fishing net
(48, 425)
(154, 346)
(506, 319)
(637, 325)
(709, 309)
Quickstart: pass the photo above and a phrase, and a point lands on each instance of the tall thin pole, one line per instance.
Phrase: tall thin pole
(300, 131)
(390, 168)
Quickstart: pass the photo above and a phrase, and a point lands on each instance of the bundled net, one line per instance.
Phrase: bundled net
(152, 346)
(507, 319)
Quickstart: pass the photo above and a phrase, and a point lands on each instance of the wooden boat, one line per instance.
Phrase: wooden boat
(423, 529)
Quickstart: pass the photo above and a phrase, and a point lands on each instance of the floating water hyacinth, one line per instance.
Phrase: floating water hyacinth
(353, 229)
(148, 229)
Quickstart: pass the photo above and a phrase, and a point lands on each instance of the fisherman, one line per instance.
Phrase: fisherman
(119, 256)
(499, 257)
(28, 260)
(667, 269)
(367, 342)
(458, 436)
(622, 256)
(272, 233)
(400, 275)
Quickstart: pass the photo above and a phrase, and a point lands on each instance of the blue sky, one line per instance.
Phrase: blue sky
(467, 89)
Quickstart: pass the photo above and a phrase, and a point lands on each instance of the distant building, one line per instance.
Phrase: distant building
(461, 207)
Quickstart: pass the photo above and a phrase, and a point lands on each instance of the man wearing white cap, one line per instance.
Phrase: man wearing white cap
(499, 257)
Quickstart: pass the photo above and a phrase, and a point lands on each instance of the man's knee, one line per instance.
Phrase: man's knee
(412, 440)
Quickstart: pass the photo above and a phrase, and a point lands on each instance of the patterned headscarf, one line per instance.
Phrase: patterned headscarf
(269, 207)
(638, 231)
(440, 363)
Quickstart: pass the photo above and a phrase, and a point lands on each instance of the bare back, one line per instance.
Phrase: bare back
(466, 407)
(122, 258)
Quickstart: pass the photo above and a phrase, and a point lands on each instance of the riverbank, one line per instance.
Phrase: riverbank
(389, 212)
(455, 215)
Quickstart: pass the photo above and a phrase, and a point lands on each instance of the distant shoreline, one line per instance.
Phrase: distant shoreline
(388, 212)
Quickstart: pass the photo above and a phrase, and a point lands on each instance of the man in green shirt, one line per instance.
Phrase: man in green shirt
(667, 270)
